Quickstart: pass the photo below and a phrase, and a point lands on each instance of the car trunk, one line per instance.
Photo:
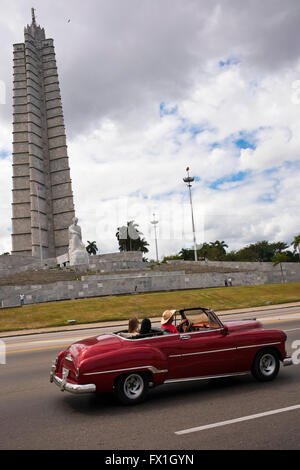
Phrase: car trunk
(81, 350)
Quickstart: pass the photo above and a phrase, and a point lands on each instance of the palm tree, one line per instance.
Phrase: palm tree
(91, 248)
(129, 238)
(296, 243)
(220, 247)
(280, 258)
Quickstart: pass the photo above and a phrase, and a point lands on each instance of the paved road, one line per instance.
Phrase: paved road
(34, 414)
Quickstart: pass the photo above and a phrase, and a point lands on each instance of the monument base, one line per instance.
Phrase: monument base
(78, 257)
(73, 259)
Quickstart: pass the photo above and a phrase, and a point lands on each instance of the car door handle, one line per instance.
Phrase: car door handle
(185, 337)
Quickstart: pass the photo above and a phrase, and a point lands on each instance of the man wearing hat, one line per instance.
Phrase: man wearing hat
(167, 320)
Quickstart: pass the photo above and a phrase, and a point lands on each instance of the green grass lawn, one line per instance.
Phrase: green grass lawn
(145, 305)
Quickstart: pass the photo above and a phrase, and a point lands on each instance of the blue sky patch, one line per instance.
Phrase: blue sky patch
(233, 178)
(246, 140)
(292, 165)
(214, 145)
(193, 129)
(267, 197)
(244, 144)
(139, 194)
(167, 110)
(230, 61)
(4, 154)
(242, 140)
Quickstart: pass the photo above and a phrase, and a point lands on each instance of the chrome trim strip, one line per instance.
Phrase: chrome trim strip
(152, 369)
(73, 388)
(52, 371)
(223, 350)
(203, 352)
(258, 345)
(205, 377)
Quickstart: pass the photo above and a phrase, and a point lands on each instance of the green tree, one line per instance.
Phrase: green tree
(265, 251)
(187, 254)
(91, 248)
(129, 238)
(280, 258)
(248, 253)
(219, 249)
(169, 258)
(296, 244)
(212, 251)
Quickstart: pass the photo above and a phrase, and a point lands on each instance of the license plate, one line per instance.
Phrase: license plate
(65, 373)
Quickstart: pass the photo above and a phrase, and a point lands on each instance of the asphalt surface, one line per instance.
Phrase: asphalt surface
(34, 414)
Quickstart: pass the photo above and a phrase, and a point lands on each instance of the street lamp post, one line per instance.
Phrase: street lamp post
(188, 180)
(155, 222)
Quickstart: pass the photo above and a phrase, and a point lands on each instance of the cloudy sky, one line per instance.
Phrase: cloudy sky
(150, 87)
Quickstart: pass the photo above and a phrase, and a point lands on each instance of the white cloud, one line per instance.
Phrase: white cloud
(128, 162)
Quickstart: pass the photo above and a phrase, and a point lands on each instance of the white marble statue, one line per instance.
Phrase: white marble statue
(77, 250)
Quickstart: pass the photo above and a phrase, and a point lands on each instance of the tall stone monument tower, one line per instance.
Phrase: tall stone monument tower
(42, 205)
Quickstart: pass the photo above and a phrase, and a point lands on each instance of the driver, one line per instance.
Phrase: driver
(167, 320)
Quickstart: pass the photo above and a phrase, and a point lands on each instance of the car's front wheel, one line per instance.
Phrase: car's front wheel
(131, 388)
(266, 365)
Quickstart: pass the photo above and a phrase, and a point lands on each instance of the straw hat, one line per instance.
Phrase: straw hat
(167, 315)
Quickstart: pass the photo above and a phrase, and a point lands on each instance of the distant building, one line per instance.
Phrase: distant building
(42, 208)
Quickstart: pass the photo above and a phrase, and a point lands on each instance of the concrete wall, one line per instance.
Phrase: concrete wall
(13, 264)
(92, 286)
(113, 284)
(13, 261)
(117, 261)
(241, 265)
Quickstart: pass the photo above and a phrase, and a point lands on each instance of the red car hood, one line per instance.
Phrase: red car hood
(94, 346)
(243, 325)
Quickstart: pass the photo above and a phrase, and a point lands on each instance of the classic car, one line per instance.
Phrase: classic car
(203, 348)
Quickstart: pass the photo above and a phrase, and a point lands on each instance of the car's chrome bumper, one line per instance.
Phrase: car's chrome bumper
(288, 361)
(68, 386)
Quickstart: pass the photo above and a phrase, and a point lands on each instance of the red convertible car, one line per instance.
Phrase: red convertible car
(203, 348)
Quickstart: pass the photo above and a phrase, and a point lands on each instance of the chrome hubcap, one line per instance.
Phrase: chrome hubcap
(267, 364)
(133, 386)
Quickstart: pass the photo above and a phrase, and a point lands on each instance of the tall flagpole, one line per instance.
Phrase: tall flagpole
(155, 222)
(188, 180)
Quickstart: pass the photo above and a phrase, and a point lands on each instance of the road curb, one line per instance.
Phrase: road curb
(93, 326)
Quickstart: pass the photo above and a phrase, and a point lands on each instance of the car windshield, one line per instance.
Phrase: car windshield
(200, 319)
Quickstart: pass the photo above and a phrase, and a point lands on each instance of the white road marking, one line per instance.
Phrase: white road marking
(274, 319)
(237, 420)
(45, 341)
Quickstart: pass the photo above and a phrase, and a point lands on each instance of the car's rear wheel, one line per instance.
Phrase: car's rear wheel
(131, 388)
(266, 365)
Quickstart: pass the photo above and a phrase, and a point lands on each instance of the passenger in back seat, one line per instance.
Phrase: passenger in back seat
(133, 326)
(145, 326)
